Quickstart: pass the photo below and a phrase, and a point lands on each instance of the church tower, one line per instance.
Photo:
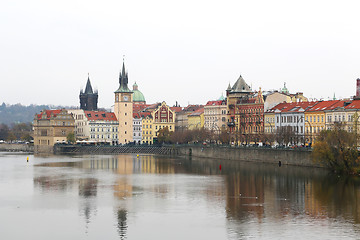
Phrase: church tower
(123, 108)
(88, 98)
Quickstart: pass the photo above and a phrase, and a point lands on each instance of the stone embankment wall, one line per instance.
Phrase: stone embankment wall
(166, 150)
(6, 147)
(297, 157)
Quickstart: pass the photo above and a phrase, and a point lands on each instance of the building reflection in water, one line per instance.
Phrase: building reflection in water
(264, 191)
(122, 223)
(87, 193)
(247, 191)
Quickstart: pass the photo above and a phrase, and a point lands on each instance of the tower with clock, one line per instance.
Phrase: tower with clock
(123, 108)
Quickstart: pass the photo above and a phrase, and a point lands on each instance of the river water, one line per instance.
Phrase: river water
(157, 197)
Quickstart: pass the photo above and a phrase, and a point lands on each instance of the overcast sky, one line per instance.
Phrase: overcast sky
(186, 51)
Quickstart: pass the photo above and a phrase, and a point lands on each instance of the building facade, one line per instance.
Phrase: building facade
(181, 121)
(51, 127)
(103, 127)
(82, 130)
(196, 119)
(215, 115)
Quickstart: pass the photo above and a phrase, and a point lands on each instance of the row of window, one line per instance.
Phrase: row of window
(114, 129)
(289, 119)
(93, 136)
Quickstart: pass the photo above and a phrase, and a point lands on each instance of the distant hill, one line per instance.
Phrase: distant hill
(18, 113)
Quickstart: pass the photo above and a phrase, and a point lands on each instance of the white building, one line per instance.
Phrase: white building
(215, 115)
(95, 126)
(137, 125)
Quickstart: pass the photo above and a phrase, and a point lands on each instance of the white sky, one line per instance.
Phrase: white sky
(186, 51)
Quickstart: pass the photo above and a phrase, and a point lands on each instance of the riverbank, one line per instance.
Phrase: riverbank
(15, 147)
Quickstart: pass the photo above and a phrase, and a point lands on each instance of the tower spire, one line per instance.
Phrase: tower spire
(123, 79)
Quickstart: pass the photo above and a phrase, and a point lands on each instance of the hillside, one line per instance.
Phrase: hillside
(18, 113)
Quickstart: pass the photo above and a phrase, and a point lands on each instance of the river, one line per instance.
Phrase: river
(159, 197)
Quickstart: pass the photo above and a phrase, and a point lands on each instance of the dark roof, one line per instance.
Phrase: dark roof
(241, 86)
(88, 88)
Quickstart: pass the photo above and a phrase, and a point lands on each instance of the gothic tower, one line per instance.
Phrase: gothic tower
(88, 98)
(123, 108)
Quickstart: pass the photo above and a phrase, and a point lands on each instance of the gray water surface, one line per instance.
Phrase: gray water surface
(157, 197)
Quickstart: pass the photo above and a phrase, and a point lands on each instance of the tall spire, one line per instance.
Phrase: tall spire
(88, 88)
(123, 80)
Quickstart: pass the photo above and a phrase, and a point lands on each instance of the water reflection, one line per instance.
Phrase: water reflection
(248, 193)
(122, 225)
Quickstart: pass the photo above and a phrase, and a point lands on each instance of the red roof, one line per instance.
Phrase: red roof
(192, 108)
(323, 105)
(139, 107)
(141, 114)
(197, 112)
(48, 113)
(176, 109)
(214, 103)
(100, 116)
(355, 104)
(292, 107)
(340, 103)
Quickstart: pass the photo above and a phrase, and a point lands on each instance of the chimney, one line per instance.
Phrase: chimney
(357, 88)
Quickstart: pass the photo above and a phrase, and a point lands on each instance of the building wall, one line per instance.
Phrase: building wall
(147, 130)
(123, 110)
(82, 129)
(137, 131)
(196, 122)
(274, 99)
(215, 117)
(52, 129)
(163, 117)
(269, 123)
(104, 132)
(314, 123)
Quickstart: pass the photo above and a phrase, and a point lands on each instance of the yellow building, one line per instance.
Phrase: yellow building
(51, 127)
(196, 119)
(269, 122)
(160, 117)
(147, 129)
(315, 118)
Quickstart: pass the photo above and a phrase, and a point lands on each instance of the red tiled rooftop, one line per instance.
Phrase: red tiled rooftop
(141, 114)
(214, 103)
(355, 104)
(100, 116)
(49, 113)
(176, 109)
(197, 112)
(323, 105)
(292, 107)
